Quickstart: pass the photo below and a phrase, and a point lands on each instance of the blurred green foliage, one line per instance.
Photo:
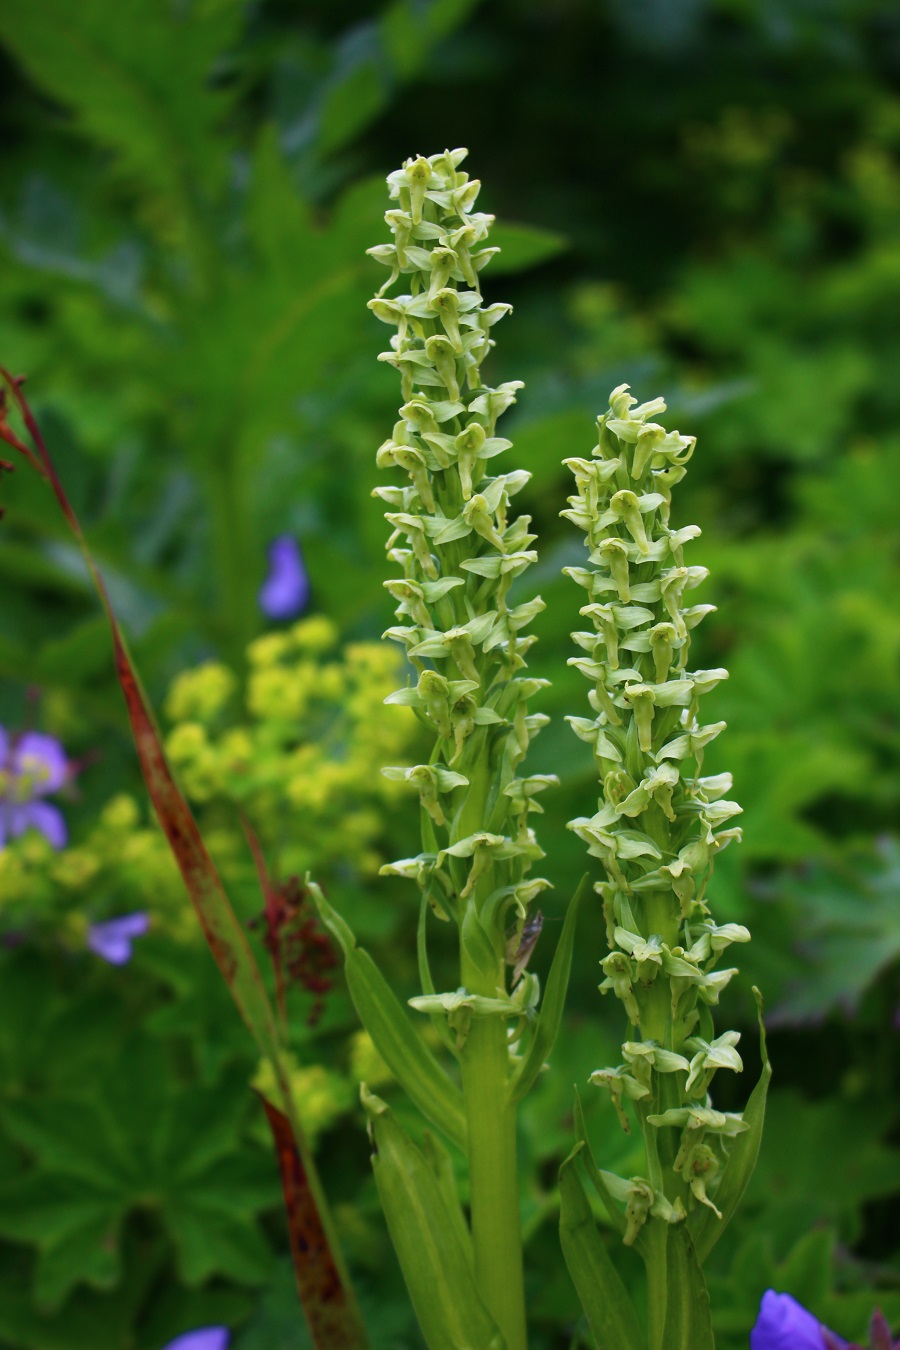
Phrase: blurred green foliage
(701, 197)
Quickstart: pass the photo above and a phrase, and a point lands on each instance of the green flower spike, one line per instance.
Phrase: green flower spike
(458, 547)
(657, 828)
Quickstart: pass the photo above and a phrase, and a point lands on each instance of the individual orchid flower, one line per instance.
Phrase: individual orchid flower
(32, 766)
(112, 940)
(285, 592)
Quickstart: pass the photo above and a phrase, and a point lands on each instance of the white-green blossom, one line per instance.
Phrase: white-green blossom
(659, 823)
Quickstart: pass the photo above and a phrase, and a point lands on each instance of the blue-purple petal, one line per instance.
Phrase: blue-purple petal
(784, 1324)
(4, 746)
(46, 818)
(285, 592)
(36, 754)
(206, 1338)
(112, 939)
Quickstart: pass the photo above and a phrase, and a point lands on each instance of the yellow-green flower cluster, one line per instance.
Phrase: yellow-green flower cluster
(301, 758)
(659, 822)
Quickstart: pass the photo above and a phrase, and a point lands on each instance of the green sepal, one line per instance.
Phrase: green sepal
(547, 1027)
(396, 1040)
(604, 1298)
(688, 1319)
(435, 1263)
(704, 1227)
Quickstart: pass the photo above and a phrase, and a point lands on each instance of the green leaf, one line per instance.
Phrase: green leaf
(595, 1176)
(442, 1166)
(151, 100)
(522, 246)
(606, 1302)
(409, 29)
(705, 1227)
(688, 1321)
(553, 1001)
(396, 1040)
(350, 104)
(436, 1265)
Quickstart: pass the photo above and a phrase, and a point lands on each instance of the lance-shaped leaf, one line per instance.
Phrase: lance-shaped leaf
(221, 928)
(688, 1321)
(607, 1305)
(595, 1176)
(320, 1283)
(547, 1027)
(433, 1257)
(399, 1044)
(705, 1228)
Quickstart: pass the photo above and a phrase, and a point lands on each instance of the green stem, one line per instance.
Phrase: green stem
(656, 1237)
(493, 1181)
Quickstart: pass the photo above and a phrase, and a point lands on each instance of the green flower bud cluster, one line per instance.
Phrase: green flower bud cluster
(459, 550)
(659, 822)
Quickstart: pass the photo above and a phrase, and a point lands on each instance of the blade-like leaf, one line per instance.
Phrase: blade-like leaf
(332, 1316)
(595, 1176)
(435, 1264)
(688, 1320)
(553, 1001)
(221, 928)
(396, 1040)
(522, 246)
(606, 1302)
(705, 1227)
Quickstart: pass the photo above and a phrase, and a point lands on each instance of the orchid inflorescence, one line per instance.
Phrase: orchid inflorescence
(460, 551)
(660, 822)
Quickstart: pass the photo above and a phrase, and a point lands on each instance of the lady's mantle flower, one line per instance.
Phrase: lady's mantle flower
(784, 1324)
(285, 592)
(207, 1338)
(112, 941)
(31, 767)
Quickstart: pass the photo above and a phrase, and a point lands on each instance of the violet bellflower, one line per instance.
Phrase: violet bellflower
(112, 939)
(205, 1338)
(32, 766)
(285, 592)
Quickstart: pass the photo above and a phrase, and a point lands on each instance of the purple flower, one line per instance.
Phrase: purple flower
(207, 1338)
(31, 766)
(112, 941)
(783, 1324)
(285, 592)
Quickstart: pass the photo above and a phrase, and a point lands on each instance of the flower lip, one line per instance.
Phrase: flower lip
(285, 592)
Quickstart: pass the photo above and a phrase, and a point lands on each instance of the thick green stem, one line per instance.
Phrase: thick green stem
(493, 1181)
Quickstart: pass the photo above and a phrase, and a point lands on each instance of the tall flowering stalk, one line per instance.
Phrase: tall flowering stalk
(657, 829)
(457, 548)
